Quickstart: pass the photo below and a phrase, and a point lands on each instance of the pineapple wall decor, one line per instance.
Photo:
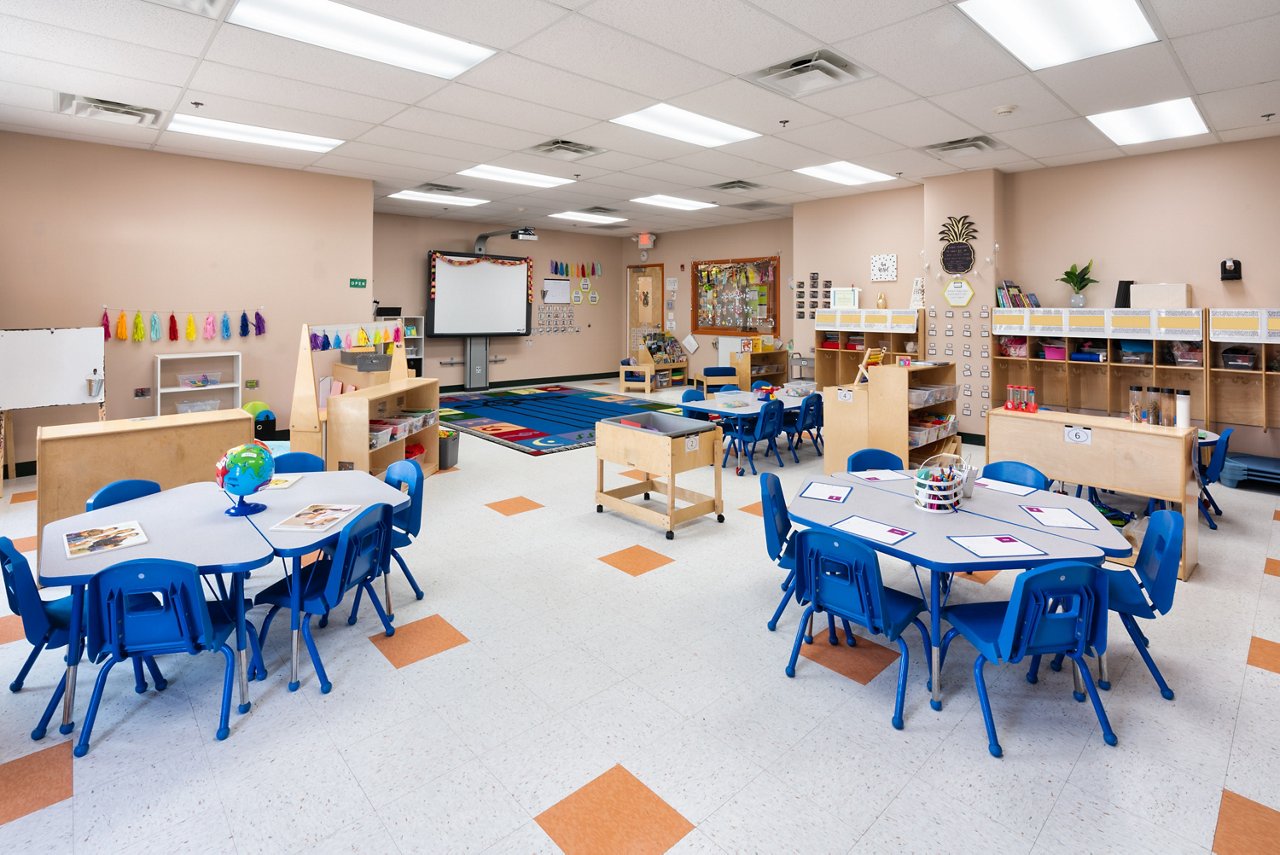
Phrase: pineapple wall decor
(958, 254)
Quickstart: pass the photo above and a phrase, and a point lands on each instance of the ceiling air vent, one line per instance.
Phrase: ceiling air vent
(108, 111)
(963, 147)
(565, 149)
(736, 186)
(805, 75)
(432, 187)
(600, 209)
(608, 226)
(756, 206)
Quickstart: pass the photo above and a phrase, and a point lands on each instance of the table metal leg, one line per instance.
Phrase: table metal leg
(386, 593)
(242, 659)
(935, 629)
(74, 650)
(295, 626)
(1104, 674)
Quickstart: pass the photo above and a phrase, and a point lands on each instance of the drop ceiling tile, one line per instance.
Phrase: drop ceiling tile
(42, 41)
(363, 150)
(404, 176)
(83, 81)
(1270, 129)
(1171, 145)
(494, 23)
(723, 164)
(545, 165)
(250, 49)
(939, 51)
(676, 174)
(461, 128)
(613, 137)
(127, 20)
(1056, 138)
(435, 146)
(1035, 104)
(1021, 166)
(862, 96)
(1243, 107)
(602, 53)
(1233, 56)
(229, 109)
(230, 150)
(832, 20)
(462, 100)
(916, 123)
(295, 94)
(749, 106)
(773, 152)
(613, 161)
(840, 139)
(1082, 157)
(1114, 81)
(28, 97)
(729, 35)
(1183, 17)
(58, 124)
(539, 83)
(986, 159)
(640, 185)
(912, 164)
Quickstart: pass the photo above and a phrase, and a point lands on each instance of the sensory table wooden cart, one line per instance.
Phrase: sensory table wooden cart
(678, 446)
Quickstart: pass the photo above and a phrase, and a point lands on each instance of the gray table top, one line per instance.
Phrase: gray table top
(1007, 507)
(314, 488)
(752, 407)
(931, 542)
(185, 523)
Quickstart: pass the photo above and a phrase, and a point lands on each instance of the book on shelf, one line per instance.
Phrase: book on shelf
(1033, 300)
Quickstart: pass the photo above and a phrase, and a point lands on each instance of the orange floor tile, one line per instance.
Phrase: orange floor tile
(635, 560)
(755, 508)
(10, 628)
(1276, 516)
(515, 505)
(1264, 654)
(26, 544)
(862, 664)
(35, 781)
(982, 577)
(1272, 567)
(614, 813)
(29, 496)
(418, 640)
(1245, 827)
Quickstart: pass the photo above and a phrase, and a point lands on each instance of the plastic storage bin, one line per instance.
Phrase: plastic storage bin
(663, 423)
(1239, 359)
(198, 406)
(734, 399)
(1055, 352)
(379, 438)
(199, 381)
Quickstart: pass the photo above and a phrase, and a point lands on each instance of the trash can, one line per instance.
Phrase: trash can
(448, 448)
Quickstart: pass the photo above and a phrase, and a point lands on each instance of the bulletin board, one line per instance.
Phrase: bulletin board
(735, 295)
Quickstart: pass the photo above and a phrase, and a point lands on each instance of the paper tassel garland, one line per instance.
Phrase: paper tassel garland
(395, 335)
(244, 324)
(122, 327)
(324, 341)
(259, 324)
(226, 326)
(209, 326)
(155, 327)
(106, 326)
(191, 327)
(173, 327)
(139, 329)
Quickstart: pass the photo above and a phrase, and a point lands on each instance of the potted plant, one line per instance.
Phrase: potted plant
(1079, 279)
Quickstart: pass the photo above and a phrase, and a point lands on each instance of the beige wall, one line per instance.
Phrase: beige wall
(82, 225)
(400, 247)
(677, 251)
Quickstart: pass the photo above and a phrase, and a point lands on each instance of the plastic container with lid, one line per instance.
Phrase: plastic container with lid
(1167, 402)
(1153, 405)
(1182, 409)
(1136, 410)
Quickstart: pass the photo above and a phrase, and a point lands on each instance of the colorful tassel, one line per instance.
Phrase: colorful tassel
(362, 338)
(173, 327)
(155, 327)
(324, 341)
(346, 341)
(122, 327)
(139, 328)
(259, 324)
(226, 326)
(335, 342)
(106, 325)
(191, 327)
(210, 329)
(315, 341)
(396, 336)
(244, 324)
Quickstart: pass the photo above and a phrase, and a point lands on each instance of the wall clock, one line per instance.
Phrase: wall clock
(884, 268)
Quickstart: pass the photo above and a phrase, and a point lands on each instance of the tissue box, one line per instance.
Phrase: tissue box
(1162, 295)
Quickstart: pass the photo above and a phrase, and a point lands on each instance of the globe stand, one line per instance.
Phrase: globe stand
(245, 509)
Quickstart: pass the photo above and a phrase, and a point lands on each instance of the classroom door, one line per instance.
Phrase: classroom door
(645, 301)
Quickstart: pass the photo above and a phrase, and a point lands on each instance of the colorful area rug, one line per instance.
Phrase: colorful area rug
(542, 419)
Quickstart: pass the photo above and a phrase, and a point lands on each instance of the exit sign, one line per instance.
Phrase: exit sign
(359, 283)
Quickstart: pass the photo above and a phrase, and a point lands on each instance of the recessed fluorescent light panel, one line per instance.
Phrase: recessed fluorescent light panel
(667, 121)
(514, 176)
(599, 219)
(844, 172)
(200, 126)
(1164, 121)
(673, 202)
(342, 28)
(437, 199)
(1045, 33)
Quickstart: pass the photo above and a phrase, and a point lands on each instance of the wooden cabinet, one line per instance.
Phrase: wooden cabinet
(350, 414)
(886, 412)
(843, 337)
(197, 382)
(772, 366)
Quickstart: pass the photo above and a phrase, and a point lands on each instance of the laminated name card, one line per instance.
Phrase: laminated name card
(995, 545)
(872, 530)
(1058, 517)
(879, 475)
(1005, 487)
(825, 492)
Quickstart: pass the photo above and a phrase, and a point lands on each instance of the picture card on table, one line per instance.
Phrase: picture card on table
(1058, 517)
(879, 475)
(104, 538)
(826, 492)
(995, 545)
(872, 530)
(282, 482)
(1005, 487)
(316, 518)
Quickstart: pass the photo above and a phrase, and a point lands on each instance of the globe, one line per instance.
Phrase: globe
(243, 471)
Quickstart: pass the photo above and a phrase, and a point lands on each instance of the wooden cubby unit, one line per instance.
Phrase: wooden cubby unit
(351, 412)
(853, 332)
(772, 366)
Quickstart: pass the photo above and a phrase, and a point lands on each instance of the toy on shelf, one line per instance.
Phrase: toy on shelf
(1022, 398)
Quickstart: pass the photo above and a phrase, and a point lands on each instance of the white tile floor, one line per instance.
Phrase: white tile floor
(573, 666)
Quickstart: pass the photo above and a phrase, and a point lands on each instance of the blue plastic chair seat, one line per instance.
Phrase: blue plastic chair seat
(980, 623)
(1124, 595)
(312, 581)
(59, 612)
(900, 609)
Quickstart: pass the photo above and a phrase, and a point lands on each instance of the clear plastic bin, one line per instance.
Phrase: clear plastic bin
(199, 381)
(917, 436)
(400, 427)
(732, 399)
(203, 406)
(379, 438)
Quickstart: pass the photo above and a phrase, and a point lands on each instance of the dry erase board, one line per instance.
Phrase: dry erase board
(478, 295)
(46, 368)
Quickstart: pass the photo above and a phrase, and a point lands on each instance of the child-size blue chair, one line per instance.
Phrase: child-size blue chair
(803, 421)
(694, 395)
(148, 607)
(1212, 474)
(363, 553)
(873, 458)
(712, 374)
(729, 387)
(1015, 472)
(44, 622)
(298, 461)
(121, 491)
(1058, 608)
(407, 522)
(766, 428)
(760, 384)
(840, 575)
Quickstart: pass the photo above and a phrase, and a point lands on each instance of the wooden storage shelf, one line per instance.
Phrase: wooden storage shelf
(770, 365)
(169, 392)
(869, 328)
(350, 413)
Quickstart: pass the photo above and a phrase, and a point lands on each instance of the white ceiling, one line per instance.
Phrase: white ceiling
(563, 68)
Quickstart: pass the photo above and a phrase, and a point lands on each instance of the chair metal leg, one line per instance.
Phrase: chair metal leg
(1108, 735)
(383, 615)
(266, 626)
(16, 685)
(413, 583)
(903, 664)
(782, 606)
(156, 677)
(1104, 675)
(228, 675)
(325, 685)
(1136, 634)
(808, 633)
(795, 648)
(849, 637)
(82, 747)
(1209, 496)
(1076, 683)
(993, 744)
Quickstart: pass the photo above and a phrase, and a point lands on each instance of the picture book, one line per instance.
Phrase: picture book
(316, 518)
(282, 482)
(103, 539)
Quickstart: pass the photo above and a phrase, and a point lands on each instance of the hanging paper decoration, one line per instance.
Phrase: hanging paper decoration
(106, 325)
(210, 329)
(191, 327)
(362, 338)
(154, 330)
(173, 327)
(315, 340)
(122, 326)
(259, 324)
(377, 336)
(346, 341)
(396, 336)
(324, 341)
(139, 329)
(226, 325)
(336, 342)
(244, 324)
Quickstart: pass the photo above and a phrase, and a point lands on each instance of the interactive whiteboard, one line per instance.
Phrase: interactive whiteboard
(477, 295)
(45, 368)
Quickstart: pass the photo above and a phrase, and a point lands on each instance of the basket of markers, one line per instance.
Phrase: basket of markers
(939, 483)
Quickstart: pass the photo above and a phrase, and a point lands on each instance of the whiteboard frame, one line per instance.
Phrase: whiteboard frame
(430, 325)
(47, 366)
